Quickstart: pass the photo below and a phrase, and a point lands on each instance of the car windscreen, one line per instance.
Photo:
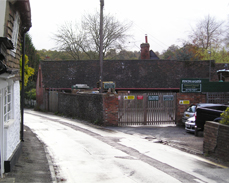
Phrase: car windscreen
(191, 109)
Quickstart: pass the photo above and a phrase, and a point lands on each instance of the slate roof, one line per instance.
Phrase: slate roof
(153, 55)
(125, 73)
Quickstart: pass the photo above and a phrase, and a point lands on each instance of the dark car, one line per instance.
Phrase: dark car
(191, 110)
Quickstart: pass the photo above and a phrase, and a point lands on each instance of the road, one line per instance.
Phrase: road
(84, 153)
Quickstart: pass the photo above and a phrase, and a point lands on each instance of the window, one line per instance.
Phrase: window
(15, 33)
(191, 109)
(8, 104)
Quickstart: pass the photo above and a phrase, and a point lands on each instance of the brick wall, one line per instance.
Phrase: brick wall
(193, 98)
(95, 108)
(216, 138)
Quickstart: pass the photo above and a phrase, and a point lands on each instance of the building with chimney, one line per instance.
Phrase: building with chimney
(146, 53)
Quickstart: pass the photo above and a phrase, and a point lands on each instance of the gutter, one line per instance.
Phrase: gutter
(162, 89)
(165, 89)
(25, 11)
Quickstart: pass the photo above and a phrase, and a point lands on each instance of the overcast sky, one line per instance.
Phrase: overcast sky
(164, 21)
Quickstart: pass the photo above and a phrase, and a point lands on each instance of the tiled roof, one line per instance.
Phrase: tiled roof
(125, 73)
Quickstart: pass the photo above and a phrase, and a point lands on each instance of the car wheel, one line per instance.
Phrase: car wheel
(196, 132)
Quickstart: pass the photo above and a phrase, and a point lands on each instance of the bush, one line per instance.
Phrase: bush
(31, 94)
(225, 117)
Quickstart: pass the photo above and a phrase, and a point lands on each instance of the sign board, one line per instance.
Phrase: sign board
(168, 97)
(184, 102)
(129, 97)
(191, 85)
(107, 85)
(140, 97)
(153, 98)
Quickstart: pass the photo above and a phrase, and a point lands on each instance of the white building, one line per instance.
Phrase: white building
(15, 21)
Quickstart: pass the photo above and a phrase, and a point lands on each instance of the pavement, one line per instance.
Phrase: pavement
(35, 164)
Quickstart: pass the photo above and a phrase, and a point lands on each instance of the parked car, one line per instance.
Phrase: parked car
(190, 111)
(190, 124)
(211, 113)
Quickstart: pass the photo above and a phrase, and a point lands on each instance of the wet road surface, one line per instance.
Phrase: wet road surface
(84, 153)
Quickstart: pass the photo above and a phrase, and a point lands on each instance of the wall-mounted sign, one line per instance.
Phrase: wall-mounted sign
(129, 97)
(191, 85)
(153, 97)
(168, 97)
(140, 97)
(184, 102)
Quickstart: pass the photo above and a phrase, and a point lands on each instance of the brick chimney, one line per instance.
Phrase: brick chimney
(145, 54)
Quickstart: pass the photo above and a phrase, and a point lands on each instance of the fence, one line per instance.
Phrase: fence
(147, 108)
(30, 102)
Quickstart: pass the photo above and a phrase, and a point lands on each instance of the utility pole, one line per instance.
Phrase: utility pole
(101, 47)
(210, 64)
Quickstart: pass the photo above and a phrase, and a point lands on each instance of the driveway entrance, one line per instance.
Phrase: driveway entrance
(147, 108)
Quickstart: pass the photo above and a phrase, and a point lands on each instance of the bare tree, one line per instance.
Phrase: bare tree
(68, 39)
(84, 40)
(226, 39)
(207, 33)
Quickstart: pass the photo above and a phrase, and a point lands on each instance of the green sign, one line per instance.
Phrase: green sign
(153, 97)
(168, 97)
(191, 85)
(108, 85)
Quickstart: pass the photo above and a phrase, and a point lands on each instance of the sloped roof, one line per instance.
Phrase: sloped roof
(25, 11)
(125, 73)
(153, 56)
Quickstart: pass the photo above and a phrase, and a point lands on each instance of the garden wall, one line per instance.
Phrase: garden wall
(95, 108)
(216, 138)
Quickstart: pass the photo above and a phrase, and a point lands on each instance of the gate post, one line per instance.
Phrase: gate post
(145, 108)
(110, 109)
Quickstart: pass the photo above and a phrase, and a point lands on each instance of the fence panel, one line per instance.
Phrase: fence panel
(218, 98)
(53, 101)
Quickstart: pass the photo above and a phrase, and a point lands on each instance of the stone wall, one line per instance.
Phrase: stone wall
(216, 138)
(95, 108)
(193, 98)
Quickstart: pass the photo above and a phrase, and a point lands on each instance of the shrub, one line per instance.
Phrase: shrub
(31, 94)
(225, 117)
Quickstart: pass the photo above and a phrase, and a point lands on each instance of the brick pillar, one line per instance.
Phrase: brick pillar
(110, 109)
(194, 98)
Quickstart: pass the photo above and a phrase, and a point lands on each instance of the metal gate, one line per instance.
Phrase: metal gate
(146, 109)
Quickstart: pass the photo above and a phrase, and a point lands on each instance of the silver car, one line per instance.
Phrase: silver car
(190, 124)
(189, 112)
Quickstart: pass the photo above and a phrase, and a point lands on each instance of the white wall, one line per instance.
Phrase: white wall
(12, 130)
(2, 16)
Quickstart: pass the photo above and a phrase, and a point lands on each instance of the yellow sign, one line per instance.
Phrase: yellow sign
(184, 102)
(129, 97)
